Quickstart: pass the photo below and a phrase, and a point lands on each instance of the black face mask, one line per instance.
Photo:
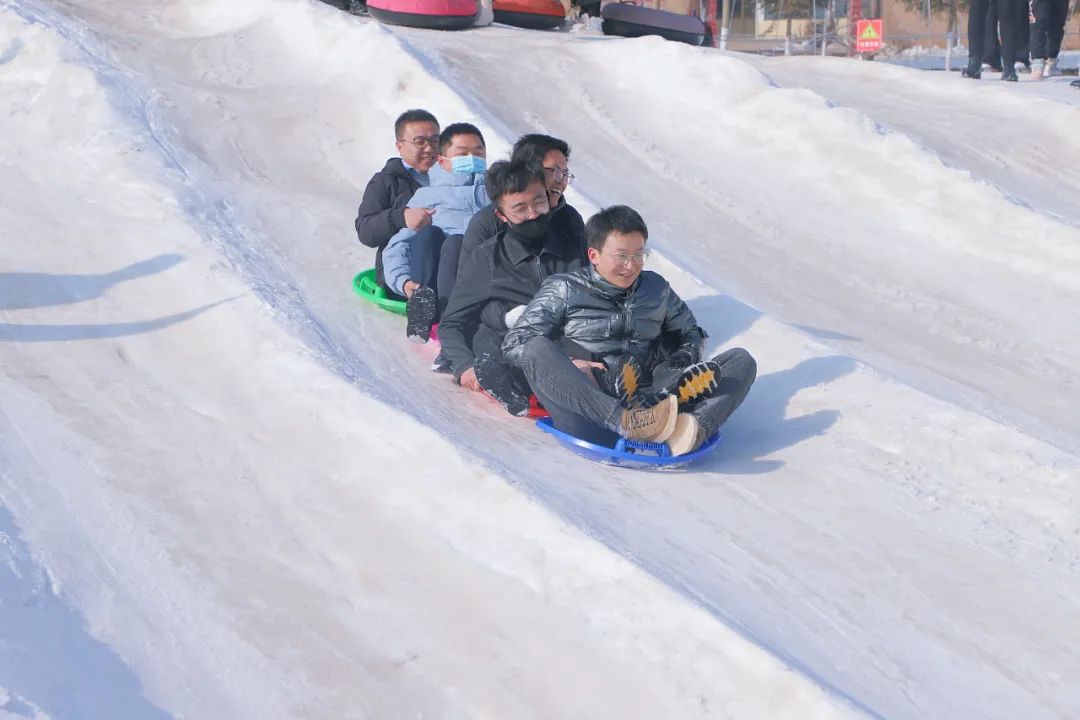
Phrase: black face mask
(533, 232)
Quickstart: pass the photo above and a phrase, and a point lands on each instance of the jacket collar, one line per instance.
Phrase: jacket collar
(394, 166)
(553, 244)
(518, 252)
(606, 289)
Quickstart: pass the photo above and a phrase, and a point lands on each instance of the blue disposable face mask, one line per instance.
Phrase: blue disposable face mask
(468, 164)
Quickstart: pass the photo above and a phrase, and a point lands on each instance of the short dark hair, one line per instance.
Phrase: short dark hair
(512, 176)
(411, 116)
(447, 136)
(537, 145)
(617, 218)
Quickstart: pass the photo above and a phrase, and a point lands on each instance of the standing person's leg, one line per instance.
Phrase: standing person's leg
(1023, 32)
(1006, 10)
(975, 31)
(1038, 45)
(448, 265)
(1055, 31)
(991, 54)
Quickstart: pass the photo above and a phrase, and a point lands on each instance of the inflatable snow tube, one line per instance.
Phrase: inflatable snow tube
(430, 14)
(367, 288)
(629, 453)
(530, 14)
(628, 20)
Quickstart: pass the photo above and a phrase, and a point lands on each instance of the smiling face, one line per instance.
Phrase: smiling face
(460, 146)
(555, 175)
(419, 144)
(530, 203)
(621, 259)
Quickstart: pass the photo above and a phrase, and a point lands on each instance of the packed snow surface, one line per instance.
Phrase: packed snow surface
(228, 489)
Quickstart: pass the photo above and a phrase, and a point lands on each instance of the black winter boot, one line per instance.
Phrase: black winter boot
(420, 313)
(497, 381)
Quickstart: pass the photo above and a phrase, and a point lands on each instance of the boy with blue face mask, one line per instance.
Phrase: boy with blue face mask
(455, 193)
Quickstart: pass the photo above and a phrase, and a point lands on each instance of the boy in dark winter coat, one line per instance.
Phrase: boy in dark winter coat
(623, 318)
(382, 211)
(502, 273)
(553, 155)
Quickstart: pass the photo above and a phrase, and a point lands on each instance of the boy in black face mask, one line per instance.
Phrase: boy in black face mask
(505, 271)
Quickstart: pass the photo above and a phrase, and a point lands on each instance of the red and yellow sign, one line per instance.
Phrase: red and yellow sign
(868, 35)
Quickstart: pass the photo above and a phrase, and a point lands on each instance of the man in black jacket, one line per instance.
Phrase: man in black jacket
(382, 211)
(503, 272)
(624, 317)
(553, 155)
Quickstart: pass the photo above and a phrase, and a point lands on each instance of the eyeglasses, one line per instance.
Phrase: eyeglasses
(558, 174)
(520, 212)
(626, 259)
(421, 142)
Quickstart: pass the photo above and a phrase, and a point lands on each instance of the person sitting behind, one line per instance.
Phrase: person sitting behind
(554, 156)
(382, 210)
(504, 271)
(624, 316)
(411, 261)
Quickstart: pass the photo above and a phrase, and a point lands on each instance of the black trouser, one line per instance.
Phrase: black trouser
(977, 35)
(1023, 33)
(991, 54)
(1048, 28)
(424, 250)
(448, 267)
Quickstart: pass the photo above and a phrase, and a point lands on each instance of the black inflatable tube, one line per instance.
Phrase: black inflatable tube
(417, 20)
(529, 21)
(623, 28)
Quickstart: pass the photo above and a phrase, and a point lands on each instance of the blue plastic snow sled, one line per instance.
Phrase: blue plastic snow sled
(629, 453)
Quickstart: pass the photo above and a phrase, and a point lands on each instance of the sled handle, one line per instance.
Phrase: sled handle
(629, 446)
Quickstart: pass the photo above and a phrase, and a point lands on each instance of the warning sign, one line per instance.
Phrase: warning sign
(868, 36)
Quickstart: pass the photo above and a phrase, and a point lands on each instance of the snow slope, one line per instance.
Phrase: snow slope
(243, 493)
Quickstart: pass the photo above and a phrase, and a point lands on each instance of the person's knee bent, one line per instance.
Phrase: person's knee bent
(738, 363)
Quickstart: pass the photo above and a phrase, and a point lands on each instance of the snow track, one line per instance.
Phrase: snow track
(281, 491)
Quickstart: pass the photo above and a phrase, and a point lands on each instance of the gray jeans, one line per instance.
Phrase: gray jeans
(579, 407)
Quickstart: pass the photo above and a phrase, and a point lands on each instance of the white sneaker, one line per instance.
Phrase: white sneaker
(1037, 70)
(1051, 68)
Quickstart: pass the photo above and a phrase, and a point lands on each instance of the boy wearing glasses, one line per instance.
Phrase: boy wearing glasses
(382, 211)
(624, 318)
(413, 262)
(504, 271)
(554, 155)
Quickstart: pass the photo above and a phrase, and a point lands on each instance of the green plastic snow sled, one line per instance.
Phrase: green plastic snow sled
(365, 286)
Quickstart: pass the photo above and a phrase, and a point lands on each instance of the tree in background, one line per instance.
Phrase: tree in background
(788, 10)
(937, 7)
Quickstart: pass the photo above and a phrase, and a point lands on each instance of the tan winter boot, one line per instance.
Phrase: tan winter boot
(652, 424)
(687, 436)
(1037, 70)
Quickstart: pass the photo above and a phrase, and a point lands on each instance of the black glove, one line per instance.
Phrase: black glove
(681, 359)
